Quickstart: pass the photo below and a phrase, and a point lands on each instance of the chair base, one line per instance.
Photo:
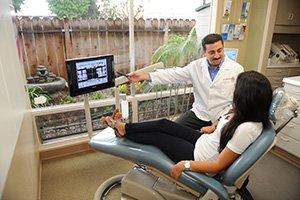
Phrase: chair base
(140, 184)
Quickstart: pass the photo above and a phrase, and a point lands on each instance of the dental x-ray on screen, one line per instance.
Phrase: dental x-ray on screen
(90, 74)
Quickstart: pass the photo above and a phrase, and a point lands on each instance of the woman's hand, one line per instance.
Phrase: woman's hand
(208, 129)
(177, 169)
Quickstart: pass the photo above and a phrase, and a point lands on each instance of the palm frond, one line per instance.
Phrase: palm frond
(178, 50)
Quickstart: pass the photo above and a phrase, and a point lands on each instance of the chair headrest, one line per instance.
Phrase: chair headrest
(282, 106)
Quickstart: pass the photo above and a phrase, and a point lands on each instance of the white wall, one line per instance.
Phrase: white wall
(203, 22)
(13, 100)
(22, 182)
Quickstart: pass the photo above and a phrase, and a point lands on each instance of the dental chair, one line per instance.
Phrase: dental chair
(149, 178)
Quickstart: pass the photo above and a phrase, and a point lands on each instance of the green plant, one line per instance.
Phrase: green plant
(108, 109)
(17, 4)
(67, 99)
(158, 88)
(139, 87)
(118, 9)
(123, 88)
(74, 9)
(97, 96)
(178, 50)
(35, 92)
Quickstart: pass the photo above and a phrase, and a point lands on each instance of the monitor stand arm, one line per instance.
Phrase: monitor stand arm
(88, 118)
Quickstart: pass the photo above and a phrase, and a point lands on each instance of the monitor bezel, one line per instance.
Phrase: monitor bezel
(72, 75)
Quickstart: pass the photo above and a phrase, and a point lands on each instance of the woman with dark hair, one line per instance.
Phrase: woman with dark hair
(210, 153)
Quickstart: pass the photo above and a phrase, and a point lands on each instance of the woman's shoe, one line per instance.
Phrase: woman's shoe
(109, 121)
(115, 115)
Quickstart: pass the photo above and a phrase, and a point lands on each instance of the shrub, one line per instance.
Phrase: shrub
(35, 92)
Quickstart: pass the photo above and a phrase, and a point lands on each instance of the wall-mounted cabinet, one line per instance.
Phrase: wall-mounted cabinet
(277, 71)
(282, 27)
(287, 17)
(288, 13)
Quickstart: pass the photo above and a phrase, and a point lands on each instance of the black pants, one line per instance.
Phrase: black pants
(191, 120)
(175, 140)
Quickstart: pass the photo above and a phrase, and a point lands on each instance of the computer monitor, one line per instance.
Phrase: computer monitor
(90, 74)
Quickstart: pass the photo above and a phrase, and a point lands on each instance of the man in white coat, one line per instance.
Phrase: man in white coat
(213, 78)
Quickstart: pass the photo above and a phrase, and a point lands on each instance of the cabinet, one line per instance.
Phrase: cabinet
(287, 17)
(289, 136)
(276, 74)
(282, 26)
(288, 13)
(278, 29)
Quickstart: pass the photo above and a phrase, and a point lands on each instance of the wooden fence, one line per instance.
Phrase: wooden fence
(49, 41)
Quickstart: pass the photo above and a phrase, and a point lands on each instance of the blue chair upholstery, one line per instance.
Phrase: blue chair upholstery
(151, 156)
(143, 154)
(249, 157)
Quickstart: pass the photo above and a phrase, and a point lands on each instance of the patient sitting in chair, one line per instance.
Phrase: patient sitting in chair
(209, 153)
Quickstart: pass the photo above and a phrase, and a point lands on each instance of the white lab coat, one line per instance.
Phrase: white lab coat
(212, 98)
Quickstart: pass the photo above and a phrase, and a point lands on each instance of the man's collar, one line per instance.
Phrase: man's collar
(209, 65)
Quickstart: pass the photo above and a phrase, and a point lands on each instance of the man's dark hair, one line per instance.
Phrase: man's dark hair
(210, 39)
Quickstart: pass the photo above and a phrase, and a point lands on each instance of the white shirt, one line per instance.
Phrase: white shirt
(212, 98)
(207, 145)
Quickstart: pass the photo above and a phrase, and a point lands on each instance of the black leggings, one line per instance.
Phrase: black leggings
(175, 140)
